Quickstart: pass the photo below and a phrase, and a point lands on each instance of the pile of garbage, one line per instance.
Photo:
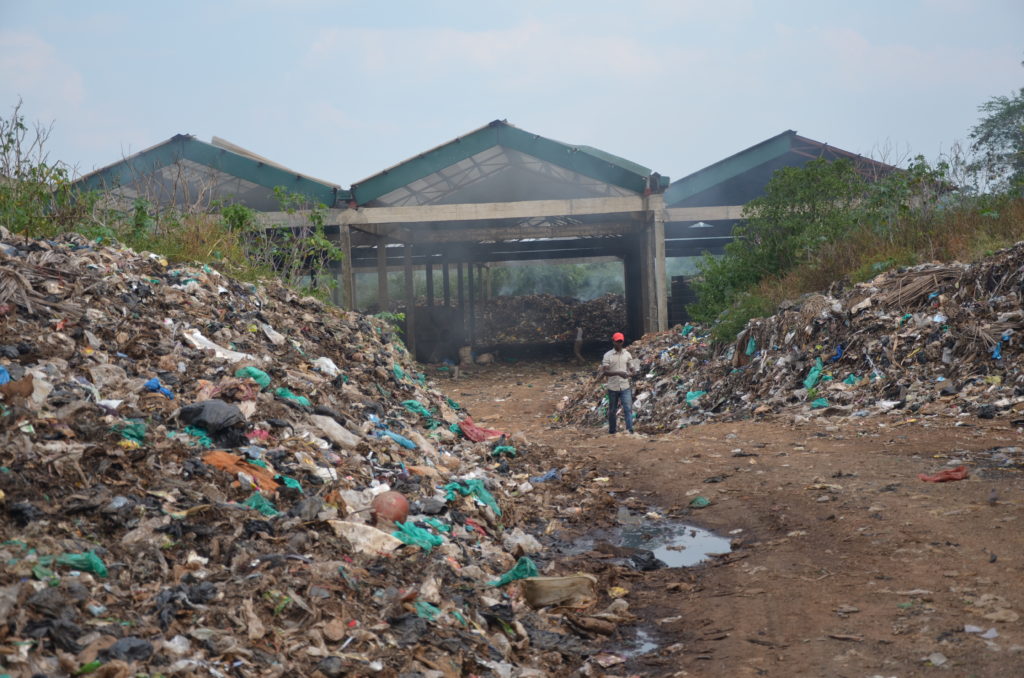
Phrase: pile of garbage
(200, 476)
(934, 339)
(546, 318)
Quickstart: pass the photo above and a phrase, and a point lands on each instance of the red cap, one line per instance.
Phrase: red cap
(618, 336)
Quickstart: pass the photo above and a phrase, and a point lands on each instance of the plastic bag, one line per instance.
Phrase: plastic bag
(213, 416)
(86, 562)
(814, 375)
(475, 487)
(408, 533)
(254, 373)
(958, 473)
(523, 568)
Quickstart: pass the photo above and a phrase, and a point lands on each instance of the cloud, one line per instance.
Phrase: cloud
(33, 71)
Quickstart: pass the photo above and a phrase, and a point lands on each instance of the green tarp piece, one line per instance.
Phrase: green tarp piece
(475, 487)
(408, 533)
(134, 430)
(814, 375)
(86, 562)
(254, 373)
(693, 396)
(503, 449)
(751, 346)
(288, 395)
(523, 568)
(260, 503)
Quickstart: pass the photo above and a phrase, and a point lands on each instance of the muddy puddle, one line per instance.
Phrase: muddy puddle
(672, 544)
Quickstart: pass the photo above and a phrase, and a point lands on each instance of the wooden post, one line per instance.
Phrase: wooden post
(382, 274)
(410, 303)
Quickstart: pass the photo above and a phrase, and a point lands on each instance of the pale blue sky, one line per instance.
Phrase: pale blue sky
(341, 90)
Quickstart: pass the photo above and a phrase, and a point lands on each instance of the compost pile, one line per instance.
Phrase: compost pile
(934, 339)
(546, 318)
(200, 476)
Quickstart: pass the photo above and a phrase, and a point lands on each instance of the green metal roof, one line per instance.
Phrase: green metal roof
(183, 147)
(741, 177)
(584, 160)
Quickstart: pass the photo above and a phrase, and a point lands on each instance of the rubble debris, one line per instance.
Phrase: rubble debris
(931, 340)
(199, 476)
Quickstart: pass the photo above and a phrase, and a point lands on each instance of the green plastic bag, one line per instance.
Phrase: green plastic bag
(409, 533)
(417, 407)
(134, 430)
(288, 481)
(202, 437)
(254, 373)
(700, 502)
(814, 375)
(398, 372)
(687, 329)
(86, 562)
(425, 610)
(751, 347)
(693, 396)
(260, 503)
(475, 487)
(288, 395)
(503, 449)
(819, 403)
(437, 525)
(523, 568)
(851, 380)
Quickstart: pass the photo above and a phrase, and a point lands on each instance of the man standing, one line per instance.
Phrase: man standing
(616, 366)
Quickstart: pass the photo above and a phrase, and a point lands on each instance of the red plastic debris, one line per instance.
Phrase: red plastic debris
(958, 473)
(477, 434)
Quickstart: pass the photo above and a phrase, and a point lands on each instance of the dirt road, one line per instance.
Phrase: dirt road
(844, 562)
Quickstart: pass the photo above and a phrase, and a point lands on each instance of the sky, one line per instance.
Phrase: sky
(341, 90)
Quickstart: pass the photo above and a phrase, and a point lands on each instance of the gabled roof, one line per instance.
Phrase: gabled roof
(455, 171)
(740, 178)
(184, 169)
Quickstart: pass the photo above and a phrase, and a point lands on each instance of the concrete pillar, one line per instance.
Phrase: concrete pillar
(347, 281)
(446, 283)
(382, 274)
(654, 299)
(410, 302)
(472, 303)
(430, 282)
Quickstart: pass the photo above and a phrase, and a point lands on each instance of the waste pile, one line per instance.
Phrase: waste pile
(200, 476)
(933, 339)
(546, 318)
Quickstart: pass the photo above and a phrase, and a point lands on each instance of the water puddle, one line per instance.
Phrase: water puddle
(674, 544)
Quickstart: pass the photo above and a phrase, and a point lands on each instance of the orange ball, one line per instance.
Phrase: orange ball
(391, 506)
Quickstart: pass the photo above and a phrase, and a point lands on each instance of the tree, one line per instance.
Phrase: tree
(802, 208)
(998, 141)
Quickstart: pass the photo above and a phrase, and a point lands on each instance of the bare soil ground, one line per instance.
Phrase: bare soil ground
(845, 563)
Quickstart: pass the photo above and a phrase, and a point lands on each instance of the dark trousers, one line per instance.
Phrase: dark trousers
(626, 398)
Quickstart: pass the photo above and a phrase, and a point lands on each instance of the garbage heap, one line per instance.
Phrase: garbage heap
(200, 476)
(546, 318)
(934, 339)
